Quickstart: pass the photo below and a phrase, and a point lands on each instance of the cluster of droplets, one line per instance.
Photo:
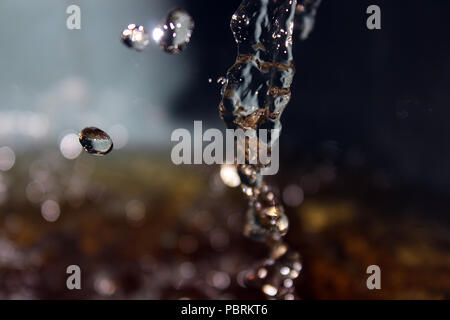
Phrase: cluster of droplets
(172, 34)
(276, 275)
(254, 94)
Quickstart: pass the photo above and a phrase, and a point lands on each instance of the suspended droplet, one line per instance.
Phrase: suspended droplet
(275, 275)
(95, 141)
(135, 37)
(174, 33)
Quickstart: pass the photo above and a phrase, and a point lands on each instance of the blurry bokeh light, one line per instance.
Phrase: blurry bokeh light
(7, 158)
(50, 210)
(70, 146)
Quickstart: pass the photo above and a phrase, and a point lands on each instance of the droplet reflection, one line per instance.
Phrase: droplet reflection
(175, 32)
(135, 37)
(95, 141)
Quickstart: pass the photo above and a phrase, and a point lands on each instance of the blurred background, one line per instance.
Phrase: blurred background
(364, 155)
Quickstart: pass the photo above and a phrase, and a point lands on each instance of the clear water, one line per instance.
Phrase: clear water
(254, 94)
(135, 37)
(95, 141)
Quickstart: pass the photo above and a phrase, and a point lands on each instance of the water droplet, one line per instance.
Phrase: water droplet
(135, 37)
(175, 32)
(95, 141)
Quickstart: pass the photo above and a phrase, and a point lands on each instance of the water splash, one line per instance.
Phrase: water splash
(135, 37)
(95, 141)
(175, 32)
(254, 95)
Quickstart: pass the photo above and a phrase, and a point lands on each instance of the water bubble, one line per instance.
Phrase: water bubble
(175, 32)
(135, 37)
(95, 141)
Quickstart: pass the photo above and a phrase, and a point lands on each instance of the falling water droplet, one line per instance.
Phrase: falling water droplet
(175, 32)
(95, 141)
(135, 37)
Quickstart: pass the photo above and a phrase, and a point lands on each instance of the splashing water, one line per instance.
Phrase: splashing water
(254, 94)
(95, 141)
(135, 37)
(175, 32)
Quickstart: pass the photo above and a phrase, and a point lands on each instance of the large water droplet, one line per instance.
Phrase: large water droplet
(175, 32)
(95, 141)
(135, 37)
